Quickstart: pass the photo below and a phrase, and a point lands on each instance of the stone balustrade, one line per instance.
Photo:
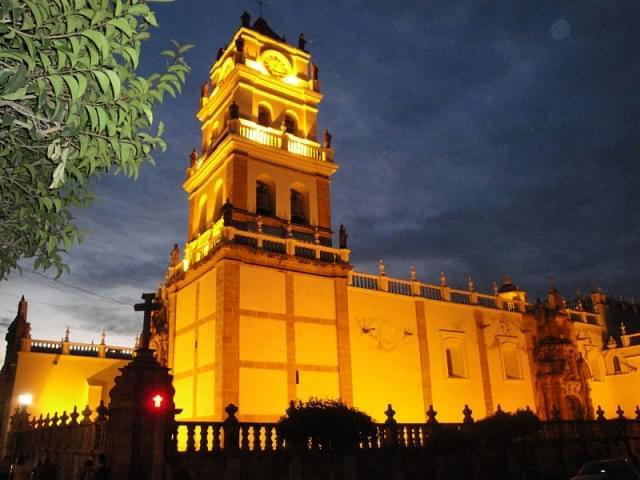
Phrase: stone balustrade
(65, 347)
(415, 288)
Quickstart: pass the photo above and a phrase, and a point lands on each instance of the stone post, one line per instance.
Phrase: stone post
(390, 428)
(141, 413)
(231, 444)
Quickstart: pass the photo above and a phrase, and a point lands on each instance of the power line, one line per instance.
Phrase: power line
(80, 289)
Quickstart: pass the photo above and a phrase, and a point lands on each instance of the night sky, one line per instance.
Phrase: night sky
(475, 138)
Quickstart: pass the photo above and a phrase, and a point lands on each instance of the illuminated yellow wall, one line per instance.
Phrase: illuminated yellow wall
(60, 382)
(194, 350)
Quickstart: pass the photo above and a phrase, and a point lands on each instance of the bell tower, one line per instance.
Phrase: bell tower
(259, 278)
(259, 150)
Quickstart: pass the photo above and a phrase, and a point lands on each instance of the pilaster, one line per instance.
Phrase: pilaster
(423, 347)
(344, 344)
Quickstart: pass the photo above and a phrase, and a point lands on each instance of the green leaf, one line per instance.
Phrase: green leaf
(139, 9)
(103, 81)
(58, 176)
(122, 25)
(115, 82)
(17, 95)
(74, 88)
(134, 55)
(56, 83)
(99, 40)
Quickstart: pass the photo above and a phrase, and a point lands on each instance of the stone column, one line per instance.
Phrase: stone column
(140, 417)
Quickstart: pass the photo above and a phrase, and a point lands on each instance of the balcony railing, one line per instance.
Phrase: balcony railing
(208, 241)
(76, 348)
(415, 288)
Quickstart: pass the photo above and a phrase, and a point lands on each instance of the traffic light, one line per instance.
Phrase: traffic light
(157, 401)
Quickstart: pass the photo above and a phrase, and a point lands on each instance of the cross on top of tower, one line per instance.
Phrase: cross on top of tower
(260, 4)
(149, 305)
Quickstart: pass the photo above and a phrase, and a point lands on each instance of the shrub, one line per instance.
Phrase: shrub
(326, 424)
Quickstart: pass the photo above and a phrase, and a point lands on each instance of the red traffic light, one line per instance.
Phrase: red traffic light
(157, 401)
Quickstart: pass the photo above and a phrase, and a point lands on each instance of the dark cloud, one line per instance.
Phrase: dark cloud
(475, 138)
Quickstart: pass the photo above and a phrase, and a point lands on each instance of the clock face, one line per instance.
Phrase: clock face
(276, 63)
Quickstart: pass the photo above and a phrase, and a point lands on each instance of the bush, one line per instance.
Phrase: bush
(326, 424)
(503, 426)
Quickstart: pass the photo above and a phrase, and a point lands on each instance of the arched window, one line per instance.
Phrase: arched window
(298, 214)
(264, 116)
(218, 196)
(289, 124)
(265, 196)
(454, 359)
(202, 214)
(616, 365)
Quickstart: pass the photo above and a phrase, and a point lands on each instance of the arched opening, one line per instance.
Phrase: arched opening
(264, 116)
(265, 196)
(290, 124)
(617, 368)
(202, 214)
(575, 409)
(218, 195)
(299, 206)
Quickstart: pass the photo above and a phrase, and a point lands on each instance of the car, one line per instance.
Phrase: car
(609, 468)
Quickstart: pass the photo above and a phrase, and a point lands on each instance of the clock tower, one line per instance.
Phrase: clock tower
(259, 238)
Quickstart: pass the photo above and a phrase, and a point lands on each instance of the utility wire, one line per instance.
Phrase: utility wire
(80, 289)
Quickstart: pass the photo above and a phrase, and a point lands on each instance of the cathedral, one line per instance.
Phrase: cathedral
(262, 305)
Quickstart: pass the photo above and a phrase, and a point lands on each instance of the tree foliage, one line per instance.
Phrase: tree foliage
(327, 424)
(71, 107)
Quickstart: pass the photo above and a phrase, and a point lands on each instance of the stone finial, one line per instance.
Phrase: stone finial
(74, 416)
(289, 229)
(468, 419)
(302, 42)
(431, 416)
(623, 328)
(67, 332)
(231, 410)
(316, 235)
(234, 111)
(220, 53)
(86, 415)
(343, 236)
(41, 421)
(413, 274)
(612, 343)
(64, 418)
(494, 288)
(381, 267)
(600, 413)
(56, 419)
(102, 411)
(240, 44)
(470, 285)
(390, 413)
(204, 90)
(47, 421)
(326, 138)
(103, 336)
(245, 19)
(314, 72)
(443, 279)
(193, 157)
(620, 413)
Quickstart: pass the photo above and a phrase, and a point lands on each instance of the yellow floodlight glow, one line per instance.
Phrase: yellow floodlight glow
(25, 399)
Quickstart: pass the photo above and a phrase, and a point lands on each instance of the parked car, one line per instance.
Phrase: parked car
(609, 468)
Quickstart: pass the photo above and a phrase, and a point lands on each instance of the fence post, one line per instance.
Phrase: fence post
(231, 444)
(141, 414)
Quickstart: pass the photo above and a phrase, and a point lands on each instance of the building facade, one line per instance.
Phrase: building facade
(262, 308)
